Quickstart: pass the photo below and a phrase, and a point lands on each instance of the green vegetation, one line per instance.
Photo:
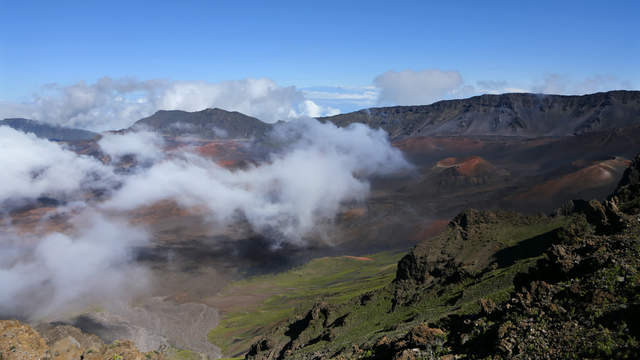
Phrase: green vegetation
(174, 353)
(341, 281)
(331, 279)
(366, 324)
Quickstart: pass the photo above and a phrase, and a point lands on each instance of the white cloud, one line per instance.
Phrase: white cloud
(419, 87)
(33, 167)
(111, 104)
(354, 96)
(62, 272)
(144, 145)
(312, 109)
(319, 168)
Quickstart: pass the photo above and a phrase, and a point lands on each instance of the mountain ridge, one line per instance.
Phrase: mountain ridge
(525, 115)
(511, 114)
(48, 131)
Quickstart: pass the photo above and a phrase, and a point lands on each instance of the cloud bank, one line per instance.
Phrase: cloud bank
(146, 146)
(62, 272)
(318, 168)
(111, 104)
(34, 167)
(313, 170)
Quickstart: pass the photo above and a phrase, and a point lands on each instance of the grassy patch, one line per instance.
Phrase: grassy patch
(174, 353)
(332, 279)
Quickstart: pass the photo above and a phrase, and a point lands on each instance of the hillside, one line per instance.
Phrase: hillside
(494, 285)
(517, 114)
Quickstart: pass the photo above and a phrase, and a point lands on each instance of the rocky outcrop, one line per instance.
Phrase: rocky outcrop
(20, 341)
(452, 256)
(421, 342)
(628, 191)
(318, 324)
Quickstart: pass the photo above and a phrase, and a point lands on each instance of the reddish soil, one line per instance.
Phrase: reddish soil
(37, 221)
(359, 258)
(471, 166)
(599, 174)
(352, 214)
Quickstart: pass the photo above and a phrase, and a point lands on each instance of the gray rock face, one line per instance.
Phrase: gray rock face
(527, 115)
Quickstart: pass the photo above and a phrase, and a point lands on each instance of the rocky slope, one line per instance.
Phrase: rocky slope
(19, 341)
(528, 115)
(580, 297)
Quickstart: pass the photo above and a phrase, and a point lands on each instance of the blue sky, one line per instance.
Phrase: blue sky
(326, 45)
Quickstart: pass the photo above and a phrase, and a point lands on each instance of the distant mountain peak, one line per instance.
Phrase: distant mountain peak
(208, 123)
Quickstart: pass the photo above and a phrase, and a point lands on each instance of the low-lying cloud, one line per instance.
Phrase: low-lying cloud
(312, 171)
(318, 168)
(63, 272)
(146, 146)
(111, 104)
(34, 167)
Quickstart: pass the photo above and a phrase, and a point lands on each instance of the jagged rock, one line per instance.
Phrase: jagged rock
(52, 334)
(487, 306)
(628, 191)
(424, 337)
(606, 217)
(444, 270)
(408, 354)
(259, 348)
(19, 341)
(67, 348)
